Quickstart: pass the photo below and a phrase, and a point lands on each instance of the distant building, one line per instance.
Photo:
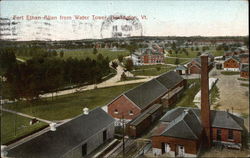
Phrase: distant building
(181, 70)
(244, 72)
(147, 57)
(194, 67)
(74, 139)
(244, 58)
(232, 64)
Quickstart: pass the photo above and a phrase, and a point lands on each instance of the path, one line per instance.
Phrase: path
(21, 60)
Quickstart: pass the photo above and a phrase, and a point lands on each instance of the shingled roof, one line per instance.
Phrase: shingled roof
(146, 93)
(221, 119)
(53, 144)
(187, 125)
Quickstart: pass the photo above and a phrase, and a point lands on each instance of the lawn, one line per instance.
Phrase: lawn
(15, 126)
(244, 84)
(172, 61)
(188, 95)
(230, 73)
(84, 53)
(68, 106)
(193, 54)
(152, 71)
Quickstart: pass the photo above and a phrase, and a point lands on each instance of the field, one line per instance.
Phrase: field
(172, 61)
(84, 53)
(193, 54)
(187, 97)
(230, 73)
(68, 106)
(151, 70)
(15, 126)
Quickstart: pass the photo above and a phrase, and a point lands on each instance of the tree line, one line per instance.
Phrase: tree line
(42, 74)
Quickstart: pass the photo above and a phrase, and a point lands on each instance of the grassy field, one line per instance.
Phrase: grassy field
(172, 61)
(84, 53)
(187, 97)
(15, 126)
(152, 70)
(193, 54)
(68, 106)
(230, 73)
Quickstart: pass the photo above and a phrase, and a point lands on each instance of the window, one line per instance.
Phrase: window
(131, 112)
(116, 111)
(104, 135)
(218, 134)
(230, 134)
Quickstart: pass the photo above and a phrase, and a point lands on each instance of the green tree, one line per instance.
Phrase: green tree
(129, 64)
(120, 58)
(177, 61)
(61, 53)
(95, 51)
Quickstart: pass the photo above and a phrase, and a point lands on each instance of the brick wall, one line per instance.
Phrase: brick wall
(191, 146)
(244, 74)
(123, 106)
(231, 64)
(224, 135)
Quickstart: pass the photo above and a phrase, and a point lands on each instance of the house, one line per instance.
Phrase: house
(183, 131)
(76, 138)
(232, 64)
(181, 70)
(164, 89)
(244, 58)
(137, 126)
(147, 56)
(194, 67)
(244, 72)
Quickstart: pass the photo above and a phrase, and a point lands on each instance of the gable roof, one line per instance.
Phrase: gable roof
(169, 79)
(245, 68)
(187, 125)
(181, 67)
(220, 119)
(146, 93)
(233, 58)
(54, 144)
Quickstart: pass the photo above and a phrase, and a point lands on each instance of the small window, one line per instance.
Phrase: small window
(116, 111)
(230, 134)
(131, 112)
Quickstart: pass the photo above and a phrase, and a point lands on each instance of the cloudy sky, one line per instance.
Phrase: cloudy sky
(153, 18)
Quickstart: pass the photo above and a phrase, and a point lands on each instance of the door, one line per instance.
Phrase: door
(104, 135)
(181, 150)
(84, 149)
(163, 148)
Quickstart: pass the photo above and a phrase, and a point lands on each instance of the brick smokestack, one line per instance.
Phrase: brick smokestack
(205, 107)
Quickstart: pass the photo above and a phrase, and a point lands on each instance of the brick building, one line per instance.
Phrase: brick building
(244, 72)
(194, 67)
(244, 58)
(232, 64)
(164, 89)
(183, 131)
(147, 56)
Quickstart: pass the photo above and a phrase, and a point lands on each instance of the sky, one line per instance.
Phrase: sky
(161, 18)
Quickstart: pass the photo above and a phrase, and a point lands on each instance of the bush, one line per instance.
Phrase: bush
(230, 72)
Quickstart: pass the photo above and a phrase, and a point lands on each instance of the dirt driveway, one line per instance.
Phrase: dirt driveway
(232, 94)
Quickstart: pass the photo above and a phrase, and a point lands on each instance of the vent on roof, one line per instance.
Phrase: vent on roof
(52, 126)
(185, 111)
(3, 151)
(85, 111)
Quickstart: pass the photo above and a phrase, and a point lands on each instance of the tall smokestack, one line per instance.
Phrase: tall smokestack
(205, 107)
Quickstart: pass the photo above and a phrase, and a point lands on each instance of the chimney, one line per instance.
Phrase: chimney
(205, 107)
